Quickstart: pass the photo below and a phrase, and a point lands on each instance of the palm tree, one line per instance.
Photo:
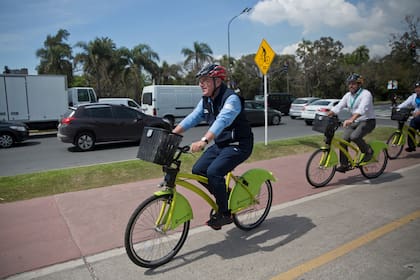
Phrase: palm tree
(361, 55)
(144, 57)
(97, 58)
(169, 74)
(56, 56)
(195, 58)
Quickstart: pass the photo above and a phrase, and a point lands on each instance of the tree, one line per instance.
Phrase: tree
(97, 58)
(56, 56)
(145, 58)
(321, 67)
(402, 54)
(169, 74)
(247, 77)
(197, 57)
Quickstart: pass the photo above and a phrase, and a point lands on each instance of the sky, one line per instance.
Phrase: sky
(168, 26)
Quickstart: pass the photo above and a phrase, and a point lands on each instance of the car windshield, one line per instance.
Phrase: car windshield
(300, 101)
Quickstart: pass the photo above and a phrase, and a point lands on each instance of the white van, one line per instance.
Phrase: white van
(81, 95)
(123, 101)
(170, 102)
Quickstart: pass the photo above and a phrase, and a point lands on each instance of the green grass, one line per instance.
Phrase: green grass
(27, 186)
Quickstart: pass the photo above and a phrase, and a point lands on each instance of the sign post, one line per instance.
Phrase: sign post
(263, 59)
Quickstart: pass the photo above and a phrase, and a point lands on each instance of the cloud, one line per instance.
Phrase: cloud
(368, 22)
(311, 15)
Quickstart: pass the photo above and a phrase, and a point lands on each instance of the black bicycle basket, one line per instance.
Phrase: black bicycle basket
(320, 123)
(400, 114)
(158, 145)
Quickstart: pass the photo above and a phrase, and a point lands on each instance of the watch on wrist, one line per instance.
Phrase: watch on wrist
(204, 139)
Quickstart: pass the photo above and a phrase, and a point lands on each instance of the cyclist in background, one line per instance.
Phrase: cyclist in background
(223, 110)
(359, 101)
(413, 101)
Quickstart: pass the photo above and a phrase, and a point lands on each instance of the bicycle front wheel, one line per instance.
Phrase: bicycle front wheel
(375, 168)
(318, 174)
(254, 215)
(393, 149)
(147, 243)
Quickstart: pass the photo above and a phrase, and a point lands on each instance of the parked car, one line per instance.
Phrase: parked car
(255, 113)
(89, 124)
(12, 132)
(298, 104)
(321, 107)
(280, 101)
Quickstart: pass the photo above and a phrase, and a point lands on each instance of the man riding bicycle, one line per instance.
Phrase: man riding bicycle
(362, 121)
(413, 101)
(223, 110)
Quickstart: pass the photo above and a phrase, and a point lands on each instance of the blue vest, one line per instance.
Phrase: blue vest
(239, 130)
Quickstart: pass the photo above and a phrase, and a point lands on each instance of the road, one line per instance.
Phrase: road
(48, 153)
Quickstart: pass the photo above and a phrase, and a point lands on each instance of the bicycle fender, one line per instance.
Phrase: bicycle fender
(377, 147)
(180, 211)
(251, 184)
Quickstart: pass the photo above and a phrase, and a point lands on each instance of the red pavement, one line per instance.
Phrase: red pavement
(44, 231)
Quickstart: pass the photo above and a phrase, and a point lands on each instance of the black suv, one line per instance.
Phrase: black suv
(89, 124)
(280, 101)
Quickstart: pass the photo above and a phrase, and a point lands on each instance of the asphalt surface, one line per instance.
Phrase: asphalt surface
(79, 235)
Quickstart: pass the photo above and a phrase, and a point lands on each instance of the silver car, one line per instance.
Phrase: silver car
(321, 107)
(298, 104)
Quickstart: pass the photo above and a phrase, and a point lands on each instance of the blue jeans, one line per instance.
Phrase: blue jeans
(216, 162)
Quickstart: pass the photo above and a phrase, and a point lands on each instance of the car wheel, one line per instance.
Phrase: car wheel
(85, 141)
(293, 117)
(6, 140)
(275, 120)
(308, 122)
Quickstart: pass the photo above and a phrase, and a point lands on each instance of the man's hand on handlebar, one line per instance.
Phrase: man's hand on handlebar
(198, 146)
(330, 114)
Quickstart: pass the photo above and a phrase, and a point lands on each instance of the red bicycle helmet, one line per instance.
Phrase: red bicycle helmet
(213, 71)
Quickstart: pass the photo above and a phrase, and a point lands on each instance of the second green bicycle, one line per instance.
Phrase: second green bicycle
(321, 165)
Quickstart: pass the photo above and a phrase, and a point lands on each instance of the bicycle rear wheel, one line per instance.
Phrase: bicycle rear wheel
(147, 244)
(317, 173)
(254, 215)
(394, 150)
(375, 168)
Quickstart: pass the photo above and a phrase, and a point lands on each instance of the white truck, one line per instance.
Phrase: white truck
(81, 95)
(40, 101)
(172, 102)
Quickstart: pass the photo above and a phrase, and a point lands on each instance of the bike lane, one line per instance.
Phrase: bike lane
(45, 231)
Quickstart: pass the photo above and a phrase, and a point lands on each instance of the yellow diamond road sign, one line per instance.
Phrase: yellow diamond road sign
(264, 56)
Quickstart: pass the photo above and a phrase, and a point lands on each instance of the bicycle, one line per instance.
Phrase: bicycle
(398, 138)
(159, 226)
(321, 165)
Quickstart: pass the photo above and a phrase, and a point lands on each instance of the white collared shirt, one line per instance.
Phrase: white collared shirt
(360, 103)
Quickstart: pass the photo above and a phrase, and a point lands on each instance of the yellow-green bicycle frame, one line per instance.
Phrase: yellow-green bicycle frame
(404, 132)
(243, 193)
(331, 159)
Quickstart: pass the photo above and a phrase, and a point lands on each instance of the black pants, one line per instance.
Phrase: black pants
(355, 133)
